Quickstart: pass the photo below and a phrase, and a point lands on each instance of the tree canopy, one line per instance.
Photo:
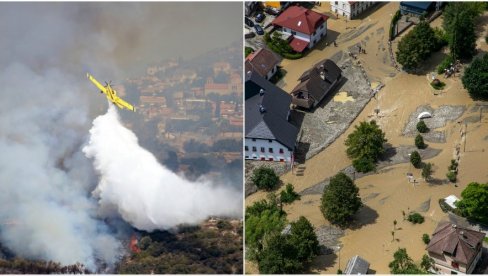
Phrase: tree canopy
(475, 78)
(416, 46)
(474, 202)
(403, 264)
(340, 200)
(365, 145)
(459, 23)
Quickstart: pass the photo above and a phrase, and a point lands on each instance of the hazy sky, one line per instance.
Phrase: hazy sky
(80, 36)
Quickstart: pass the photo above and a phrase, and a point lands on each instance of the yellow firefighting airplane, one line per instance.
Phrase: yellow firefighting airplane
(111, 94)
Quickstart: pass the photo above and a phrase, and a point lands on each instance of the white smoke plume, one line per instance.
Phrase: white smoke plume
(146, 194)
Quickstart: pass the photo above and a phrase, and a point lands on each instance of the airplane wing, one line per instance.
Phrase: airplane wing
(125, 104)
(97, 84)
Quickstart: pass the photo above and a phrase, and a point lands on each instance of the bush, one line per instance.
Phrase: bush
(422, 127)
(289, 195)
(292, 55)
(441, 37)
(419, 142)
(453, 166)
(446, 62)
(280, 46)
(248, 51)
(415, 159)
(394, 20)
(426, 238)
(451, 176)
(437, 84)
(415, 218)
(265, 178)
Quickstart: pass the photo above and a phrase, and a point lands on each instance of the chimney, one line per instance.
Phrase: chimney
(322, 75)
(248, 74)
(261, 109)
(261, 92)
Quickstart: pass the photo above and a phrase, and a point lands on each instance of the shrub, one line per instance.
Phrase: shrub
(453, 166)
(394, 20)
(426, 238)
(446, 62)
(265, 178)
(422, 127)
(415, 159)
(437, 84)
(248, 51)
(415, 218)
(289, 195)
(441, 37)
(451, 176)
(419, 142)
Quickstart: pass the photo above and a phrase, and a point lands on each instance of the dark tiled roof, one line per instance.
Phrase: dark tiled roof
(356, 265)
(312, 82)
(262, 61)
(300, 19)
(272, 123)
(460, 243)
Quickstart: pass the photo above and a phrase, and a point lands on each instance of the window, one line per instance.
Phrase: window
(246, 148)
(282, 160)
(271, 159)
(281, 150)
(270, 150)
(247, 156)
(263, 159)
(262, 149)
(271, 141)
(253, 148)
(254, 139)
(293, 32)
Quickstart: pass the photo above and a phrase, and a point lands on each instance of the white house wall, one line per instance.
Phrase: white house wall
(299, 35)
(258, 155)
(320, 33)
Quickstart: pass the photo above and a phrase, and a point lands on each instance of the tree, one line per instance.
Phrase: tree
(417, 46)
(263, 218)
(427, 262)
(419, 142)
(365, 145)
(459, 23)
(426, 238)
(422, 127)
(289, 253)
(427, 171)
(265, 178)
(475, 78)
(289, 195)
(474, 202)
(415, 159)
(340, 200)
(302, 235)
(403, 264)
(415, 218)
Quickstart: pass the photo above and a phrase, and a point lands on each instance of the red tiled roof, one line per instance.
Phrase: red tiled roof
(298, 45)
(300, 19)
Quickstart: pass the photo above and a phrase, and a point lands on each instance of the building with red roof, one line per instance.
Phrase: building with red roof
(304, 27)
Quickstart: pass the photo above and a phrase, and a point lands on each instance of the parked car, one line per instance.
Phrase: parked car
(272, 11)
(260, 17)
(249, 35)
(259, 29)
(248, 21)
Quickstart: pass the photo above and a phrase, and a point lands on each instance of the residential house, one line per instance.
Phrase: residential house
(316, 83)
(418, 8)
(303, 27)
(350, 9)
(455, 249)
(264, 62)
(269, 133)
(356, 265)
(217, 88)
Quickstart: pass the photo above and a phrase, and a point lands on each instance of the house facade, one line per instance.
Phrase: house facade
(455, 249)
(270, 136)
(350, 9)
(304, 27)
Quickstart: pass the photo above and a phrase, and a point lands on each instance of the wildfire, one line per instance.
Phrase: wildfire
(133, 244)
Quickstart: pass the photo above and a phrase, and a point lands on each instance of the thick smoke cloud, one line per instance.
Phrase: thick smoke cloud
(145, 193)
(46, 181)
